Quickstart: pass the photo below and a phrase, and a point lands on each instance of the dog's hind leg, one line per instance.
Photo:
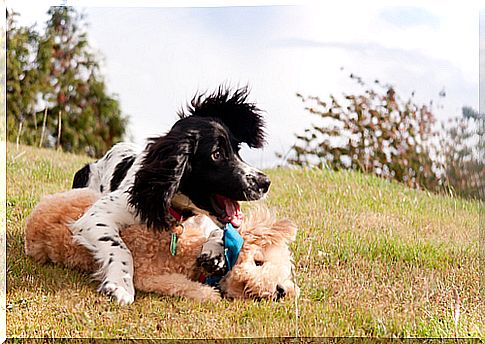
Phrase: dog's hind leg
(176, 285)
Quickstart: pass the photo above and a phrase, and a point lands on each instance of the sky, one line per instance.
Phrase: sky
(156, 58)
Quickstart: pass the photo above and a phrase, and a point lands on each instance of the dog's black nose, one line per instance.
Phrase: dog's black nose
(257, 185)
(280, 292)
(263, 182)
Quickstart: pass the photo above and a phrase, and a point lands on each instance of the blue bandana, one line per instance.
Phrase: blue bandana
(233, 243)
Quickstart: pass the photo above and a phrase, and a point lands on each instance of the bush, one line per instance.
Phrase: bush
(463, 154)
(373, 132)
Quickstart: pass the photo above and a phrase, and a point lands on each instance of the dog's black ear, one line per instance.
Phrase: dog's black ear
(241, 117)
(81, 178)
(159, 176)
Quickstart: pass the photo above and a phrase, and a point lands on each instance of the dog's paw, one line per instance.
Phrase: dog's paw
(212, 264)
(206, 293)
(118, 293)
(211, 294)
(211, 257)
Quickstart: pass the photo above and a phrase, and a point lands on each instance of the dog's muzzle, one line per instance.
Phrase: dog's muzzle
(280, 292)
(258, 185)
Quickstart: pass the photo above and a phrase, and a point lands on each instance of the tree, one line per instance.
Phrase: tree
(22, 82)
(68, 87)
(373, 132)
(463, 154)
(92, 120)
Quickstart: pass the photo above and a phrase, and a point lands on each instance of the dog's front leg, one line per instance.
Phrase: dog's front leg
(98, 231)
(211, 257)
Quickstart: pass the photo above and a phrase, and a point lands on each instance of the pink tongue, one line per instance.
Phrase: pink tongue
(233, 211)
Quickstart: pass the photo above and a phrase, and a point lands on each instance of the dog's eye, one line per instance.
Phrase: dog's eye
(258, 262)
(216, 155)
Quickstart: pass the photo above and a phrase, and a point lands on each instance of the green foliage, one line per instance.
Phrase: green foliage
(56, 74)
(463, 153)
(3, 78)
(373, 132)
(22, 77)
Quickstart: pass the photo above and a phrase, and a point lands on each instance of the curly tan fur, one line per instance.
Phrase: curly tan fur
(48, 238)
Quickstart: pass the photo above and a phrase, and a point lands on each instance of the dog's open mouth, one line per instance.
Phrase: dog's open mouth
(228, 210)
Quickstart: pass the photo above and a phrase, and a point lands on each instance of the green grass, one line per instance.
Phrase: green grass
(373, 258)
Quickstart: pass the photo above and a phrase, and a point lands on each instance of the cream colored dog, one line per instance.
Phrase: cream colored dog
(263, 268)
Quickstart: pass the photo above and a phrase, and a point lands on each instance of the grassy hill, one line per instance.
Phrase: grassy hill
(373, 259)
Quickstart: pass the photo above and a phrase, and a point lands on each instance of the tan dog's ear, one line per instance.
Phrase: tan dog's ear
(286, 229)
(262, 229)
(277, 233)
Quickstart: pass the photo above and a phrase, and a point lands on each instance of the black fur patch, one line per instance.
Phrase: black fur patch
(106, 238)
(114, 242)
(81, 177)
(120, 172)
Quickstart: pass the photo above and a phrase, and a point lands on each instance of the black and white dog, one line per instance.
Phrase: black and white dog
(194, 168)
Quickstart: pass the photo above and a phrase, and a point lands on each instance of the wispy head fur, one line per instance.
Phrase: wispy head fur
(242, 117)
(261, 226)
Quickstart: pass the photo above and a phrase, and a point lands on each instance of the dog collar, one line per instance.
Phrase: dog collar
(173, 236)
(175, 214)
(233, 242)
